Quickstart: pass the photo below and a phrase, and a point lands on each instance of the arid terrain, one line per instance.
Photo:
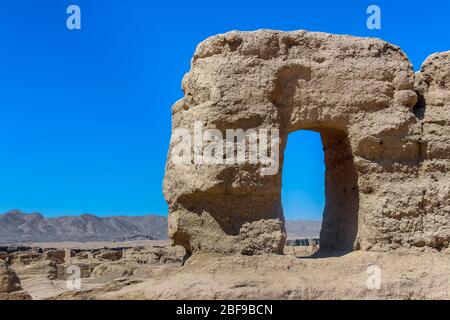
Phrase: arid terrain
(153, 270)
(45, 269)
(48, 270)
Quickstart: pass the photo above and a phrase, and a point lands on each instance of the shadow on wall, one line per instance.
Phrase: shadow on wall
(340, 217)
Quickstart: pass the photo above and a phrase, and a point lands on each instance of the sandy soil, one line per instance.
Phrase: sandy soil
(156, 272)
(421, 275)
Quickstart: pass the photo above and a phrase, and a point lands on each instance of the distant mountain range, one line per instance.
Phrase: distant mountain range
(19, 227)
(16, 226)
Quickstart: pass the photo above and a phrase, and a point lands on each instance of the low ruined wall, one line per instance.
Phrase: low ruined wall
(387, 149)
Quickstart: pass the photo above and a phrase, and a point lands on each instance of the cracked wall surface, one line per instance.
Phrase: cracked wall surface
(385, 133)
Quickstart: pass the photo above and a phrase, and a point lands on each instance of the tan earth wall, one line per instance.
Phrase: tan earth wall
(387, 148)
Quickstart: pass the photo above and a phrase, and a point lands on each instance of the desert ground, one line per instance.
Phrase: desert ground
(154, 270)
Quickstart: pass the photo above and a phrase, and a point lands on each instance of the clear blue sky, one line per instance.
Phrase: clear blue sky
(85, 115)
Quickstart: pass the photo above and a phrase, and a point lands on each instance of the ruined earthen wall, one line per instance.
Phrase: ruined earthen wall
(386, 151)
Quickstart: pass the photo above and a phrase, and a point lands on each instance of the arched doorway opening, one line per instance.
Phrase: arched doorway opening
(334, 169)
